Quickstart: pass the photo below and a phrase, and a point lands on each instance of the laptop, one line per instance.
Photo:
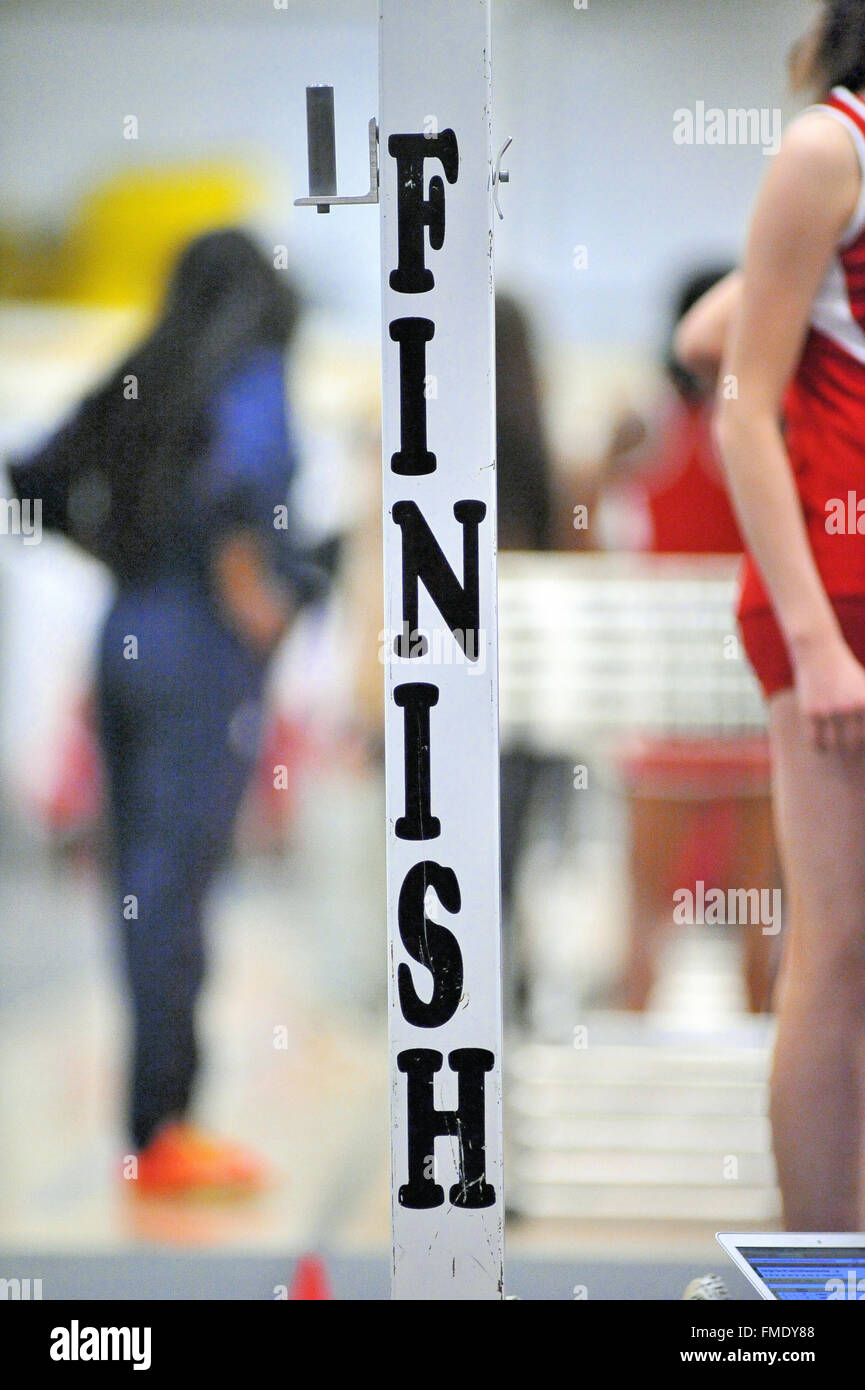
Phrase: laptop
(789, 1265)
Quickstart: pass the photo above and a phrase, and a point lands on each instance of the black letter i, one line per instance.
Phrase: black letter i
(418, 823)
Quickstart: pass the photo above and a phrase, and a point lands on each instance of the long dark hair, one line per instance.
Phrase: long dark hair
(832, 54)
(524, 465)
(695, 284)
(130, 442)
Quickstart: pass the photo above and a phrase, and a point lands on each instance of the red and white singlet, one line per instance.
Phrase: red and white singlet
(824, 418)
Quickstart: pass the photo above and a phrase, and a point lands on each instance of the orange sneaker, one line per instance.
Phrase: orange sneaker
(181, 1160)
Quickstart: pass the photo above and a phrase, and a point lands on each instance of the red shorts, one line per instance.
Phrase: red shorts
(767, 651)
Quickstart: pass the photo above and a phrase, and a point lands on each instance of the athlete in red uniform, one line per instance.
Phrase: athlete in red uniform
(790, 425)
(824, 434)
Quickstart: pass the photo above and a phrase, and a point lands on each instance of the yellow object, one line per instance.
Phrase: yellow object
(128, 231)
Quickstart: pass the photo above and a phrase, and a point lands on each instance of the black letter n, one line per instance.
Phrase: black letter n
(423, 561)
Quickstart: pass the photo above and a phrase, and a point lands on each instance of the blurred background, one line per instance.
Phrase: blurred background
(633, 753)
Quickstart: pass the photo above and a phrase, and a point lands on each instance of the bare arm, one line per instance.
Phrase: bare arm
(807, 199)
(702, 334)
(255, 606)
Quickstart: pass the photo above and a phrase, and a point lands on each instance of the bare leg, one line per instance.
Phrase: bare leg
(755, 866)
(818, 1078)
(656, 830)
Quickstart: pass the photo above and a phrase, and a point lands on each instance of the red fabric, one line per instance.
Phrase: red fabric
(697, 767)
(685, 492)
(824, 415)
(767, 650)
(75, 799)
(824, 430)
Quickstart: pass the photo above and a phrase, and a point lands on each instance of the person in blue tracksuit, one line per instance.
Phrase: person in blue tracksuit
(176, 473)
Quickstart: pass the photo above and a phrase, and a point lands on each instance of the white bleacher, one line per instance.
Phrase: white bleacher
(593, 645)
(652, 1120)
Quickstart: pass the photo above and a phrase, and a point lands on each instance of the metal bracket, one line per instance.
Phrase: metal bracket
(321, 146)
(500, 175)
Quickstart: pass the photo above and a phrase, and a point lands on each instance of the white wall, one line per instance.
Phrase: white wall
(587, 95)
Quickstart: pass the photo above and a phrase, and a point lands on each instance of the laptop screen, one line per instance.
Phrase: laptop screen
(796, 1273)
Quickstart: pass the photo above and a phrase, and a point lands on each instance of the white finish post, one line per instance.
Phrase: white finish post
(439, 648)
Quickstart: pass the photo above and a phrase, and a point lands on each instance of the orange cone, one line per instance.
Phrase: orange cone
(310, 1282)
